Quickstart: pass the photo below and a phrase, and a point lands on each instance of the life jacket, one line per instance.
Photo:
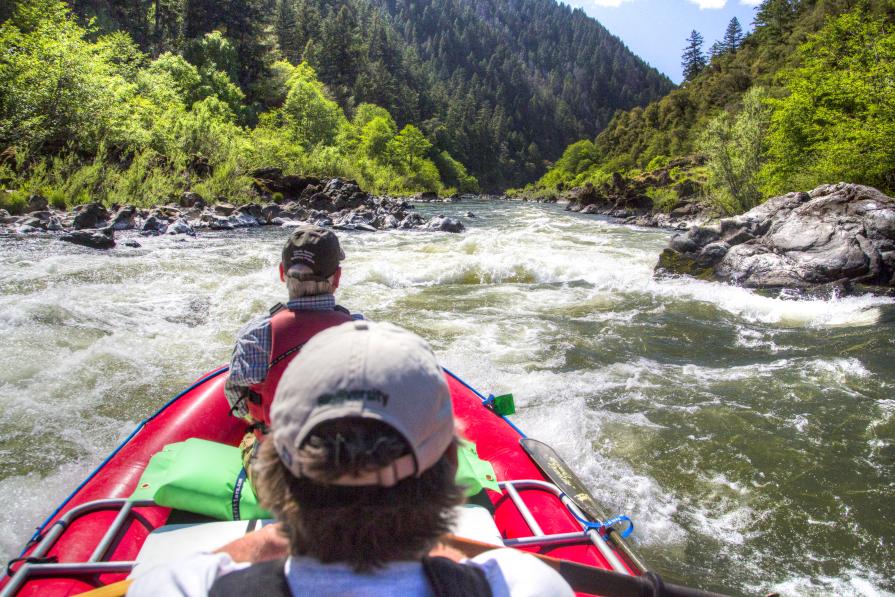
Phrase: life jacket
(289, 331)
(446, 578)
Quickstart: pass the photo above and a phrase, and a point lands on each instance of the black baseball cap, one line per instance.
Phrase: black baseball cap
(313, 247)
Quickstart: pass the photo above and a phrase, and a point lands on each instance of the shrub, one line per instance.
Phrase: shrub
(663, 198)
(15, 202)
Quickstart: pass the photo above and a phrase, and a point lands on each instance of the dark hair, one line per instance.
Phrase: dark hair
(365, 527)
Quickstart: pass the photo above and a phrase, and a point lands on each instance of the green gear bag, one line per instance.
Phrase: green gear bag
(473, 473)
(202, 477)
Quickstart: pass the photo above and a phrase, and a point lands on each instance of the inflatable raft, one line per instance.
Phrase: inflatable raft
(94, 538)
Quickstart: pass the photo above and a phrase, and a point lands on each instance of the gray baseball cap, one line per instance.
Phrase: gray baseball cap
(368, 370)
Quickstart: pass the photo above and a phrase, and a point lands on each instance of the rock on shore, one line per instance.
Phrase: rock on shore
(289, 201)
(836, 234)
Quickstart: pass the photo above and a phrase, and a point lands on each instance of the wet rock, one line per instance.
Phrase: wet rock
(412, 220)
(426, 196)
(192, 199)
(96, 239)
(590, 209)
(180, 226)
(800, 240)
(37, 203)
(243, 220)
(216, 222)
(154, 224)
(254, 210)
(444, 224)
(321, 201)
(224, 209)
(469, 214)
(269, 212)
(89, 216)
(167, 212)
(125, 219)
(132, 243)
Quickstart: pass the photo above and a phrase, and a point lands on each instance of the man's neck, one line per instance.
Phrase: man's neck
(316, 302)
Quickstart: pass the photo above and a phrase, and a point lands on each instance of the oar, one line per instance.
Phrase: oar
(582, 578)
(590, 579)
(565, 478)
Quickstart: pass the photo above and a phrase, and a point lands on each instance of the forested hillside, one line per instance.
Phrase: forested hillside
(806, 98)
(501, 85)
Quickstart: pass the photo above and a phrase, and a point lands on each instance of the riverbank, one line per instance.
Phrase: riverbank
(292, 200)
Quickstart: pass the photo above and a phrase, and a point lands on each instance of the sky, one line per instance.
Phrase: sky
(657, 30)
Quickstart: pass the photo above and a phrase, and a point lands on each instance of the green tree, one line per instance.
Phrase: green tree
(313, 118)
(733, 36)
(375, 137)
(409, 147)
(838, 120)
(693, 60)
(58, 87)
(735, 146)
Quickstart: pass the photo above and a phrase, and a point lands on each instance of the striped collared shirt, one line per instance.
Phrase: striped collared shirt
(251, 355)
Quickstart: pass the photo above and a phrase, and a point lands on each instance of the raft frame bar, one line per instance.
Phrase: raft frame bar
(588, 533)
(96, 564)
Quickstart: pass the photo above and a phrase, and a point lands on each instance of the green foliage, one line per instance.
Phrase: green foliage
(15, 202)
(735, 147)
(838, 120)
(92, 118)
(663, 198)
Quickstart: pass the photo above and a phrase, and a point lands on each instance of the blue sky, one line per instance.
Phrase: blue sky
(657, 30)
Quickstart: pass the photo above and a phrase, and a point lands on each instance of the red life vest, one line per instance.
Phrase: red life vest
(289, 331)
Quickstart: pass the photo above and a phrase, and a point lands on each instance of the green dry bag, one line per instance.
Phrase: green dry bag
(202, 477)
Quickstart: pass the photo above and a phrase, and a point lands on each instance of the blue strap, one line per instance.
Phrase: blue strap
(237, 492)
(591, 525)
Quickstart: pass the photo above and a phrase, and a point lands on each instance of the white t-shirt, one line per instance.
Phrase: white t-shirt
(510, 573)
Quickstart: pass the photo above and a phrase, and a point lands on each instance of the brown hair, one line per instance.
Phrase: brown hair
(365, 527)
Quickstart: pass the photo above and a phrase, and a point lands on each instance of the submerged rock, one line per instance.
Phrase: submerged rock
(842, 232)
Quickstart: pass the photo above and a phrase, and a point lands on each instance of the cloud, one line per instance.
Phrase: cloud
(713, 4)
(750, 2)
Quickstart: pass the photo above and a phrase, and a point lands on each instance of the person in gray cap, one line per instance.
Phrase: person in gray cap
(360, 473)
(310, 268)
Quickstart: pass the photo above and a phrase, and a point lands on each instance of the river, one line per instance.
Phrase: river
(751, 438)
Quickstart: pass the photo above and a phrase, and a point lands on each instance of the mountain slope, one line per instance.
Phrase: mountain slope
(504, 85)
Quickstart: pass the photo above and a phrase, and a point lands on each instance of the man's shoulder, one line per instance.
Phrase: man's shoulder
(516, 574)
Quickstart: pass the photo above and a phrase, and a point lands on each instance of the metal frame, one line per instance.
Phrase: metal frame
(96, 564)
(538, 537)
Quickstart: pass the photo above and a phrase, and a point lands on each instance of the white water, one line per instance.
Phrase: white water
(715, 417)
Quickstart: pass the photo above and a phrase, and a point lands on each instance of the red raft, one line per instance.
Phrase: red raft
(94, 537)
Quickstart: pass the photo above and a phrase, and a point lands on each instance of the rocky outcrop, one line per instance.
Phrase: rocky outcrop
(841, 233)
(334, 202)
(630, 199)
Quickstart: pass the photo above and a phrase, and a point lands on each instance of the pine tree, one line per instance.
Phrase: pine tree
(287, 31)
(693, 60)
(733, 36)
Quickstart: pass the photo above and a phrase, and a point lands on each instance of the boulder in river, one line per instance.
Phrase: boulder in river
(841, 232)
(444, 224)
(97, 239)
(89, 216)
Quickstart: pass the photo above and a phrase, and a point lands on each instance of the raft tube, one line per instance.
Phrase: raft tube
(202, 411)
